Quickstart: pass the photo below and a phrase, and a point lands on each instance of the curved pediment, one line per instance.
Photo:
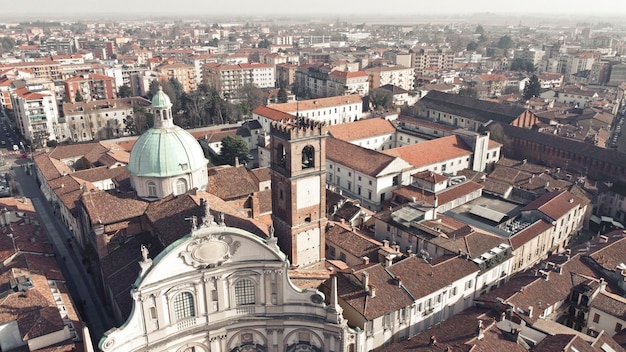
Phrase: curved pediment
(208, 247)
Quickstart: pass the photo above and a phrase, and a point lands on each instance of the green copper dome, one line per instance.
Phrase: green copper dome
(161, 100)
(165, 152)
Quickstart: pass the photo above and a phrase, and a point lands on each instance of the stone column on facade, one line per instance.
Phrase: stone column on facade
(209, 287)
(280, 338)
(222, 294)
(329, 342)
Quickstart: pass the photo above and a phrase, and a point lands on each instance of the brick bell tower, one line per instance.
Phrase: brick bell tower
(298, 172)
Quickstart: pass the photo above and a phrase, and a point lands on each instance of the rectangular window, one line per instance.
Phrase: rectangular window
(469, 284)
(596, 318)
(618, 327)
(369, 195)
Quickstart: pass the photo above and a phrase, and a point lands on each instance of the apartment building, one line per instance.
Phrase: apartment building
(398, 76)
(404, 298)
(439, 58)
(346, 83)
(184, 73)
(36, 115)
(490, 85)
(41, 68)
(228, 79)
(331, 110)
(98, 120)
(530, 55)
(90, 87)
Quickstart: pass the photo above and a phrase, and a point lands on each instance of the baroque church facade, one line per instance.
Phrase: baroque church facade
(221, 288)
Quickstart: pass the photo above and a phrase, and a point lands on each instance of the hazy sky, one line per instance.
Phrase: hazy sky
(44, 8)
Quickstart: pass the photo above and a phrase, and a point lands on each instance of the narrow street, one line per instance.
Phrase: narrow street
(84, 293)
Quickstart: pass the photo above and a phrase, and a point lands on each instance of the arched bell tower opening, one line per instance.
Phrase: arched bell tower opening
(298, 149)
(308, 157)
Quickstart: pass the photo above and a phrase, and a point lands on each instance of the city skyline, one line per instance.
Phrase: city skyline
(35, 9)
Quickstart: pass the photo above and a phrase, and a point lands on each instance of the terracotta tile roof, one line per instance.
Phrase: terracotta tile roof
(613, 254)
(351, 242)
(529, 233)
(433, 151)
(108, 207)
(313, 104)
(604, 339)
(459, 334)
(167, 215)
(389, 297)
(121, 268)
(365, 128)
(610, 303)
(230, 182)
(366, 161)
(562, 342)
(429, 176)
(541, 293)
(261, 174)
(478, 110)
(421, 278)
(90, 77)
(91, 151)
(555, 204)
(100, 173)
(36, 312)
(473, 243)
(408, 193)
(28, 95)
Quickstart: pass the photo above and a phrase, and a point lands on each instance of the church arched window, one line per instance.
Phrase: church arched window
(281, 155)
(245, 292)
(308, 157)
(152, 189)
(181, 186)
(184, 306)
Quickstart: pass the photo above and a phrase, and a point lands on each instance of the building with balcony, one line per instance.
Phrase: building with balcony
(440, 58)
(90, 87)
(36, 115)
(398, 76)
(228, 79)
(184, 73)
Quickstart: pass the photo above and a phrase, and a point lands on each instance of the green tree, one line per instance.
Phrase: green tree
(79, 97)
(233, 147)
(7, 44)
(282, 95)
(124, 91)
(381, 99)
(469, 92)
(140, 121)
(265, 43)
(522, 65)
(472, 46)
(532, 88)
(505, 42)
(479, 30)
(153, 89)
(251, 97)
(195, 105)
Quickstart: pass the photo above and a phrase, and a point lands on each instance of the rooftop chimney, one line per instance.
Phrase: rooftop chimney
(530, 311)
(366, 260)
(365, 280)
(480, 331)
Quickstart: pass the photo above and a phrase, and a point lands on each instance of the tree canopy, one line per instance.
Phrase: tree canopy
(532, 88)
(124, 91)
(505, 42)
(233, 147)
(469, 92)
